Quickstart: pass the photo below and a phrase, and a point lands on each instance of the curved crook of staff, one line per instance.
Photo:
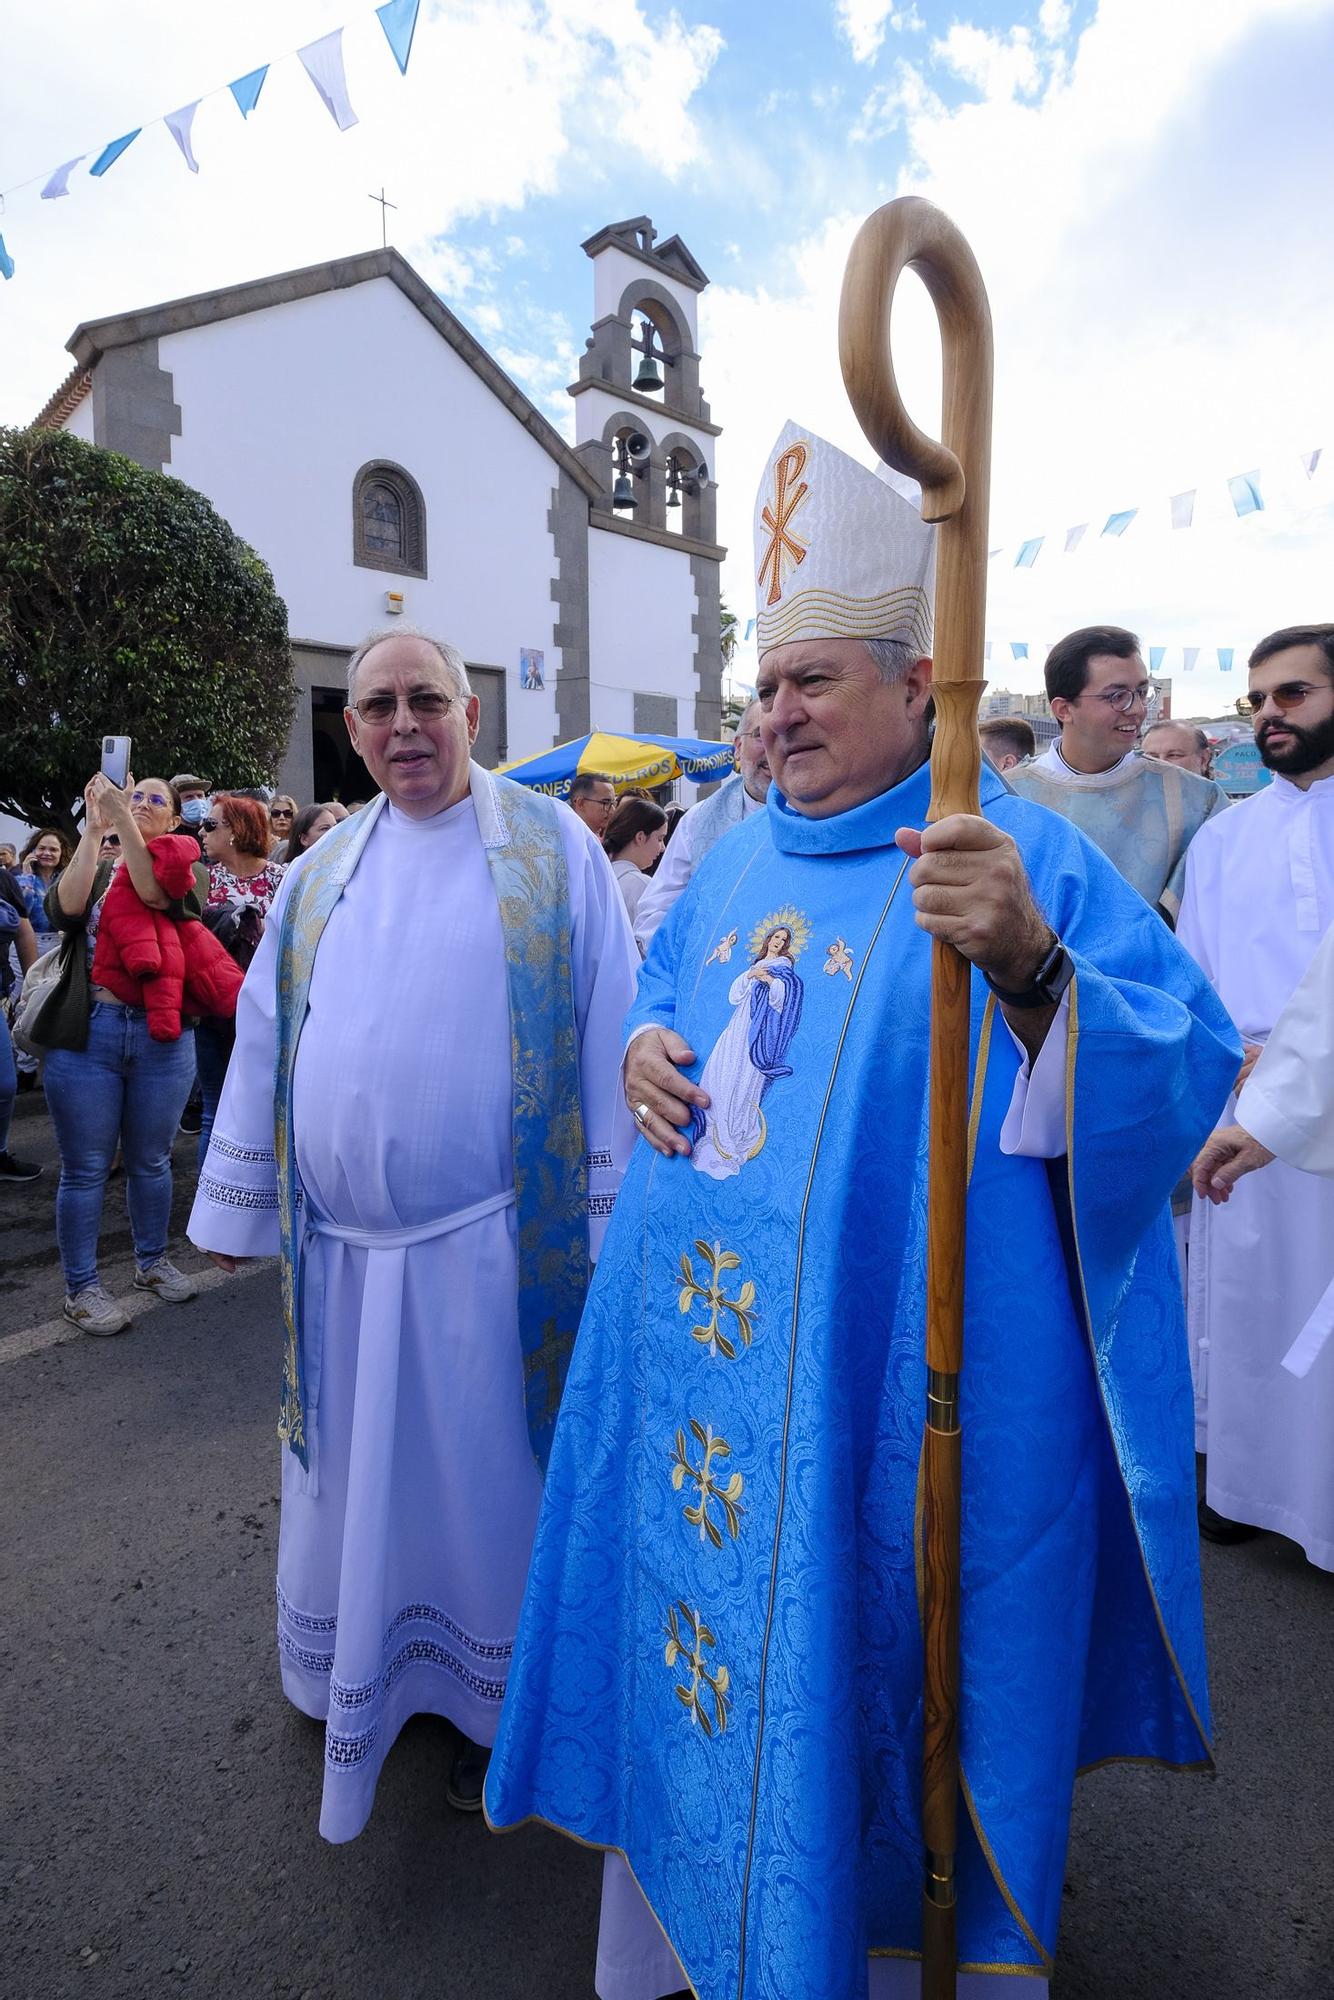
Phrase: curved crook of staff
(954, 473)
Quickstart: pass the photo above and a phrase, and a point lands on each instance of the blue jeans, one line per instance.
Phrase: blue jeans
(214, 1042)
(123, 1088)
(9, 1082)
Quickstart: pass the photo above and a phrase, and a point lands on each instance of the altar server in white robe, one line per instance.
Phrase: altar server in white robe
(419, 1115)
(703, 826)
(1259, 898)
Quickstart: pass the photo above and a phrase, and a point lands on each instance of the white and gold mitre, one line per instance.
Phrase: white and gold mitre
(839, 554)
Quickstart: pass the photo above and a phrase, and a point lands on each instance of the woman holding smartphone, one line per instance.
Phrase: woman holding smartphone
(109, 1084)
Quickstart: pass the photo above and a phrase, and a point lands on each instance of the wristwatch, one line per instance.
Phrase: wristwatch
(1044, 989)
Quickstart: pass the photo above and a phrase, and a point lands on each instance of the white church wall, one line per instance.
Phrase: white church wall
(279, 411)
(641, 606)
(80, 420)
(614, 270)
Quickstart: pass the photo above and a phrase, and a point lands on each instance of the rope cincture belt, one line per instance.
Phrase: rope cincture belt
(418, 1232)
(381, 1316)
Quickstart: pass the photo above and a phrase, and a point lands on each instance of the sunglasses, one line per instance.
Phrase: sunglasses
(1290, 695)
(427, 704)
(280, 812)
(111, 840)
(211, 825)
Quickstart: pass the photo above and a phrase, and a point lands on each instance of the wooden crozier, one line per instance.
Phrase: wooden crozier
(954, 474)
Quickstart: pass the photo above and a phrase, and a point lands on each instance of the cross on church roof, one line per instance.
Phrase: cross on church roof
(384, 218)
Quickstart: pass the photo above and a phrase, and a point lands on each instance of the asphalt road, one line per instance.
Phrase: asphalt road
(159, 1799)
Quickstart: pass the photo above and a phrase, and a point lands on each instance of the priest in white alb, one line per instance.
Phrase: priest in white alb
(1141, 812)
(1259, 899)
(419, 1117)
(703, 826)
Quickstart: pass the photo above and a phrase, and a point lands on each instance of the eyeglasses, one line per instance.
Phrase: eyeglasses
(1290, 695)
(427, 704)
(280, 812)
(1124, 699)
(149, 799)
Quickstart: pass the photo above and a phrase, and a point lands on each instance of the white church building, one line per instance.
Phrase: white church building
(350, 428)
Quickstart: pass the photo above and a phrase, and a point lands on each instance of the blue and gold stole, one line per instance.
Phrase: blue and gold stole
(521, 835)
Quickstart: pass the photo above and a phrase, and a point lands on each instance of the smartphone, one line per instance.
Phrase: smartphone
(116, 759)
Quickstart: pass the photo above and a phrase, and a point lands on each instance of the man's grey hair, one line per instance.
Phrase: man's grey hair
(1196, 735)
(893, 657)
(450, 657)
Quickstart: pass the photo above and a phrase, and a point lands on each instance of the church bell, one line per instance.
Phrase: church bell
(649, 377)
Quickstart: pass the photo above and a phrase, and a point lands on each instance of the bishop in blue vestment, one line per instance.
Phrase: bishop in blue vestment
(719, 1664)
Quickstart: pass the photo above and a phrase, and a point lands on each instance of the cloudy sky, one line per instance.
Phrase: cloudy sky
(1147, 185)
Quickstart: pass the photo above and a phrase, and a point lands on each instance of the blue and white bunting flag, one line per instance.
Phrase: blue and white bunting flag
(398, 18)
(246, 89)
(178, 123)
(1246, 495)
(6, 261)
(323, 64)
(110, 154)
(58, 184)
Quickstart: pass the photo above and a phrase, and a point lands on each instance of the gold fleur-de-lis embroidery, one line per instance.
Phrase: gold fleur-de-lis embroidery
(727, 1497)
(709, 1333)
(722, 951)
(839, 960)
(687, 1638)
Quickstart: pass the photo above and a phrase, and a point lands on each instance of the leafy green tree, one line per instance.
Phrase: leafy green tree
(727, 632)
(128, 607)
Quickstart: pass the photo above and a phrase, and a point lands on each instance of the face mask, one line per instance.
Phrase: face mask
(194, 810)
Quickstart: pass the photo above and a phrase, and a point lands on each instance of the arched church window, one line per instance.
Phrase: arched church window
(388, 520)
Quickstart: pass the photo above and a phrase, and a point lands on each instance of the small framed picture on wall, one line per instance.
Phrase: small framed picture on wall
(532, 671)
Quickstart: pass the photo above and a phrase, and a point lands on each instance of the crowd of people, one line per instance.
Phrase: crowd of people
(659, 1080)
(126, 1053)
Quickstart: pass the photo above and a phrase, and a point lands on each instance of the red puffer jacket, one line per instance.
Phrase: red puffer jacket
(148, 960)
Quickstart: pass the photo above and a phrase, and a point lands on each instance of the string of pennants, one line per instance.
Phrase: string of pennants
(1192, 657)
(322, 61)
(1244, 491)
(1023, 649)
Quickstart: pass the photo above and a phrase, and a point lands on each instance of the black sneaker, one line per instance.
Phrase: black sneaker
(17, 1170)
(192, 1118)
(1216, 1527)
(467, 1775)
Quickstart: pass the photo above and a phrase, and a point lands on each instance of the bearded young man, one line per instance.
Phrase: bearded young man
(1259, 899)
(719, 1668)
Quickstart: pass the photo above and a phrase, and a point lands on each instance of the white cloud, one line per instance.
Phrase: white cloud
(1156, 294)
(865, 23)
(1054, 20)
(504, 100)
(1000, 66)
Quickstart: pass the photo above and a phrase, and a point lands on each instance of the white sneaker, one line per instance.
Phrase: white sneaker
(166, 1282)
(93, 1310)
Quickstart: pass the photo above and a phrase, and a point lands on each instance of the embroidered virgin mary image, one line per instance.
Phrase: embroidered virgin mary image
(751, 1052)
